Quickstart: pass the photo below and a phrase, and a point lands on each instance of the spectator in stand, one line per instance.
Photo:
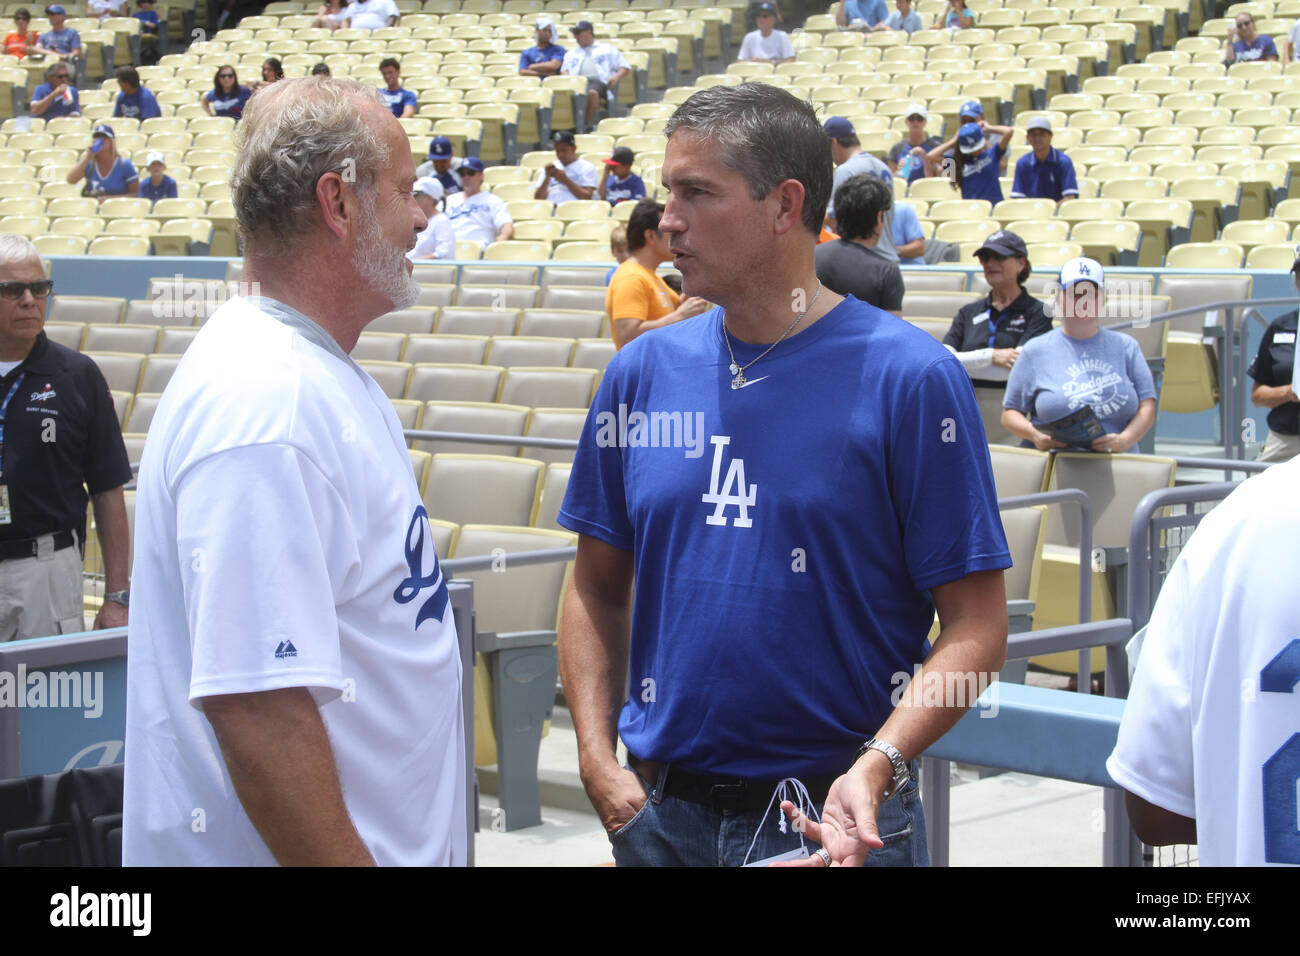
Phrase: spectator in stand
(904, 18)
(159, 185)
(56, 96)
(956, 17)
(1291, 43)
(975, 163)
(766, 44)
(545, 57)
(573, 178)
(861, 14)
(402, 102)
(972, 111)
(1081, 365)
(320, 69)
(440, 165)
(331, 15)
(845, 265)
(106, 173)
(907, 157)
(227, 97)
(438, 240)
(272, 71)
(909, 238)
(103, 9)
(61, 41)
(1245, 44)
(1045, 173)
(618, 249)
(134, 101)
(850, 159)
(371, 14)
(638, 300)
(21, 41)
(602, 65)
(148, 18)
(1272, 371)
(617, 182)
(478, 216)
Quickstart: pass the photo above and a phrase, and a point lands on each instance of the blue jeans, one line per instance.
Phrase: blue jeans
(668, 831)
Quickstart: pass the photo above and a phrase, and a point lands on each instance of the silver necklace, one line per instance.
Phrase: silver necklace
(738, 371)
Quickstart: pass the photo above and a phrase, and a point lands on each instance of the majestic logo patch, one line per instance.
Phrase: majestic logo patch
(417, 543)
(285, 649)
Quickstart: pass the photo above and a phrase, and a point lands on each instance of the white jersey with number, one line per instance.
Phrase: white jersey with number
(1211, 729)
(281, 542)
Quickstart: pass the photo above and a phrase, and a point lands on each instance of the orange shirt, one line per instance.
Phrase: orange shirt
(17, 44)
(637, 293)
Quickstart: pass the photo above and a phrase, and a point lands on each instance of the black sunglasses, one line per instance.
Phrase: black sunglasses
(226, 76)
(14, 290)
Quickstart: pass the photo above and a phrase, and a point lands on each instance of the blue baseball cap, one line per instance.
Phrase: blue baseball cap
(837, 127)
(580, 26)
(970, 138)
(971, 108)
(440, 148)
(103, 129)
(55, 8)
(1004, 243)
(472, 163)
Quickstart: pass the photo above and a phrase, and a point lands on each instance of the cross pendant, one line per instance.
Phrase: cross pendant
(739, 380)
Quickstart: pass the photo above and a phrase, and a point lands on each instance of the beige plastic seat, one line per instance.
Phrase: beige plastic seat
(1164, 222)
(1206, 255)
(1214, 200)
(517, 350)
(389, 376)
(433, 273)
(67, 334)
(454, 382)
(515, 251)
(515, 597)
(1012, 209)
(480, 488)
(554, 484)
(466, 320)
(1271, 256)
(1249, 233)
(157, 372)
(563, 323)
(1053, 254)
(174, 340)
(1025, 531)
(934, 305)
(482, 418)
(102, 310)
(130, 246)
(586, 298)
(458, 349)
(1040, 230)
(101, 337)
(120, 369)
(416, 321)
(141, 413)
(379, 347)
(1109, 241)
(966, 230)
(500, 297)
(1018, 471)
(592, 353)
(498, 275)
(549, 387)
(554, 423)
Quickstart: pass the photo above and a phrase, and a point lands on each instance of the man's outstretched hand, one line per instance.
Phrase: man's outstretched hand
(848, 826)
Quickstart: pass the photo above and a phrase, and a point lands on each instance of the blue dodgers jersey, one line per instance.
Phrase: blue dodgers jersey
(785, 535)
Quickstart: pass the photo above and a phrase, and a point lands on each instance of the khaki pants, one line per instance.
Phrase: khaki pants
(41, 596)
(1279, 447)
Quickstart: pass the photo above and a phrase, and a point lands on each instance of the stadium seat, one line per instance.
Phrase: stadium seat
(121, 369)
(174, 340)
(553, 423)
(563, 323)
(549, 387)
(1053, 255)
(554, 484)
(496, 275)
(1109, 241)
(477, 488)
(86, 308)
(1018, 471)
(509, 351)
(1164, 222)
(455, 349)
(498, 297)
(592, 353)
(588, 298)
(388, 375)
(515, 251)
(517, 597)
(473, 320)
(1259, 232)
(102, 337)
(483, 418)
(450, 382)
(417, 321)
(1275, 256)
(1040, 230)
(67, 334)
(56, 244)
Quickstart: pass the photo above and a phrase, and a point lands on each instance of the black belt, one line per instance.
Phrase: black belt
(724, 793)
(27, 547)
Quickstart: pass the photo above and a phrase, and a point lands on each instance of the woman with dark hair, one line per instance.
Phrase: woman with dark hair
(272, 70)
(638, 300)
(331, 15)
(850, 264)
(227, 97)
(987, 334)
(974, 163)
(21, 39)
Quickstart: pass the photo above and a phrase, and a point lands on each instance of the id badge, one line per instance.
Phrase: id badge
(798, 853)
(6, 516)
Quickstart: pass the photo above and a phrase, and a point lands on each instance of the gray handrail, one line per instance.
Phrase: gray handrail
(516, 558)
(484, 439)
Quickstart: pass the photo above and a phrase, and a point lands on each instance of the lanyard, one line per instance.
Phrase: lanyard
(13, 389)
(993, 324)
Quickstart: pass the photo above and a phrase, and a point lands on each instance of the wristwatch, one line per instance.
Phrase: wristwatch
(901, 773)
(119, 597)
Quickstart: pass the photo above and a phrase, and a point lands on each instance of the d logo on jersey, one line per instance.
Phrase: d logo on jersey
(410, 588)
(732, 492)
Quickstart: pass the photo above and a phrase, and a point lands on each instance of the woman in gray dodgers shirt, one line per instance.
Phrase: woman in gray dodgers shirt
(1081, 364)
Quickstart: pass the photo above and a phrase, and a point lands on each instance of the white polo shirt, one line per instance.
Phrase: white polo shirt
(581, 172)
(479, 217)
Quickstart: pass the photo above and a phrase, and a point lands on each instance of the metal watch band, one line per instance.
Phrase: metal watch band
(119, 597)
(901, 773)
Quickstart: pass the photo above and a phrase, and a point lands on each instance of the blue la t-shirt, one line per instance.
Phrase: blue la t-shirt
(120, 180)
(617, 190)
(228, 104)
(59, 107)
(1259, 48)
(398, 100)
(1051, 178)
(534, 55)
(164, 190)
(907, 228)
(60, 41)
(784, 555)
(870, 12)
(148, 22)
(140, 104)
(1056, 375)
(979, 177)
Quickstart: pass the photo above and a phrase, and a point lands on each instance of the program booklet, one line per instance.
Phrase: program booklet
(1076, 429)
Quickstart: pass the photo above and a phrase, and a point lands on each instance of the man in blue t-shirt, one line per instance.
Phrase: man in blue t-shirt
(401, 102)
(134, 101)
(797, 481)
(1245, 44)
(60, 41)
(56, 96)
(158, 185)
(908, 235)
(617, 181)
(546, 57)
(1045, 173)
(857, 14)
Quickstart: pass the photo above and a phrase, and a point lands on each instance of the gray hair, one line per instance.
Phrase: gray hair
(292, 133)
(15, 249)
(768, 136)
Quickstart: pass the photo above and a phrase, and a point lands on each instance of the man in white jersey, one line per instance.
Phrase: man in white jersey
(475, 215)
(294, 675)
(1209, 745)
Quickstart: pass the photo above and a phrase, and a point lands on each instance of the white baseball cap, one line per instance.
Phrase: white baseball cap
(155, 157)
(428, 186)
(545, 23)
(918, 109)
(1082, 270)
(1039, 122)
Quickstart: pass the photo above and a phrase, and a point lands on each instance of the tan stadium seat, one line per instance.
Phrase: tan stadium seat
(1025, 530)
(1143, 187)
(538, 230)
(519, 597)
(389, 376)
(29, 226)
(1164, 222)
(549, 387)
(587, 298)
(1206, 255)
(554, 484)
(1275, 256)
(379, 347)
(574, 275)
(157, 372)
(934, 305)
(511, 297)
(966, 230)
(102, 337)
(174, 340)
(141, 412)
(592, 353)
(133, 246)
(1018, 471)
(515, 251)
(481, 418)
(969, 209)
(144, 228)
(1260, 182)
(1109, 241)
(430, 273)
(120, 369)
(475, 320)
(452, 382)
(415, 321)
(583, 252)
(67, 334)
(554, 423)
(1011, 209)
(1040, 230)
(520, 209)
(57, 244)
(435, 296)
(86, 308)
(456, 349)
(1257, 232)
(121, 403)
(478, 488)
(563, 323)
(498, 275)
(510, 351)
(409, 412)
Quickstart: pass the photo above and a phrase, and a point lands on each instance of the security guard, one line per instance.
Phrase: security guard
(1271, 371)
(987, 334)
(59, 435)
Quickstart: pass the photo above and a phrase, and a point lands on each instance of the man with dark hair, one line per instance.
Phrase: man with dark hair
(844, 265)
(850, 159)
(724, 466)
(544, 57)
(571, 178)
(402, 102)
(602, 64)
(320, 69)
(61, 41)
(638, 300)
(134, 101)
(56, 96)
